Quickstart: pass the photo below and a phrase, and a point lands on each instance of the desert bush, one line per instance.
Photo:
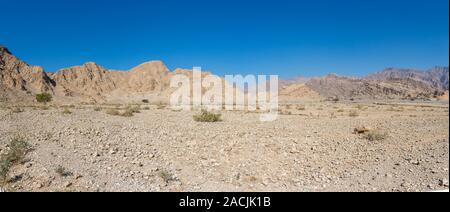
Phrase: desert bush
(146, 108)
(206, 116)
(165, 175)
(16, 154)
(66, 111)
(145, 101)
(44, 97)
(134, 109)
(127, 113)
(61, 171)
(340, 110)
(376, 135)
(353, 113)
(97, 109)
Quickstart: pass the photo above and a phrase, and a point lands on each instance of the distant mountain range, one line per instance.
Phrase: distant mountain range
(91, 83)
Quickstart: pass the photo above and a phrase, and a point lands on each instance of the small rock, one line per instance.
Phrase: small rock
(68, 184)
(415, 162)
(443, 182)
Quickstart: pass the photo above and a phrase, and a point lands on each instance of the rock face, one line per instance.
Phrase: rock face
(18, 78)
(93, 83)
(390, 88)
(436, 77)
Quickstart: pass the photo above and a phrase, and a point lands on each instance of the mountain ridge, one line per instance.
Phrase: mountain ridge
(91, 82)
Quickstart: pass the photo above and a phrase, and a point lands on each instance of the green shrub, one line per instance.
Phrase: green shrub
(43, 97)
(206, 116)
(18, 149)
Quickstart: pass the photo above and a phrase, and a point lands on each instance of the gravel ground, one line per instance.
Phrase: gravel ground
(308, 149)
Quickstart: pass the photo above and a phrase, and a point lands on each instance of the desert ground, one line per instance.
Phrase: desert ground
(312, 146)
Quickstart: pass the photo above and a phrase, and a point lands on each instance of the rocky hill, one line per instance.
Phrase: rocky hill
(92, 83)
(436, 77)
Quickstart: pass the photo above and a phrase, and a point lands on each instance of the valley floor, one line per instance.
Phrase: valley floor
(310, 148)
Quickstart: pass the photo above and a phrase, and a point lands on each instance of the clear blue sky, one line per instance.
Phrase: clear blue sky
(291, 38)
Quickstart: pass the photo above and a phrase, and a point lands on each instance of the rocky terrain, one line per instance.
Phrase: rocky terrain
(385, 132)
(312, 147)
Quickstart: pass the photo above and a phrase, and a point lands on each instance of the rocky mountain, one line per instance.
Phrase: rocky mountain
(93, 83)
(17, 78)
(436, 77)
(356, 88)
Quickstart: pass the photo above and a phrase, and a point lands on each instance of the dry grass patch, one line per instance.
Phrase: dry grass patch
(66, 111)
(206, 116)
(301, 107)
(376, 135)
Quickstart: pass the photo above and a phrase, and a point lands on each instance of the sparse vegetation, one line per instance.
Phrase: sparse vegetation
(97, 109)
(44, 98)
(16, 154)
(340, 110)
(61, 171)
(206, 116)
(127, 113)
(165, 175)
(146, 108)
(134, 109)
(66, 111)
(376, 135)
(301, 107)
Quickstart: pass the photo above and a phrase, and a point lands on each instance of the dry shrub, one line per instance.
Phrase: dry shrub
(16, 154)
(67, 111)
(376, 135)
(206, 116)
(301, 107)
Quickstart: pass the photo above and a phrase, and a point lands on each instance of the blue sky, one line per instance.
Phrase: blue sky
(289, 38)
